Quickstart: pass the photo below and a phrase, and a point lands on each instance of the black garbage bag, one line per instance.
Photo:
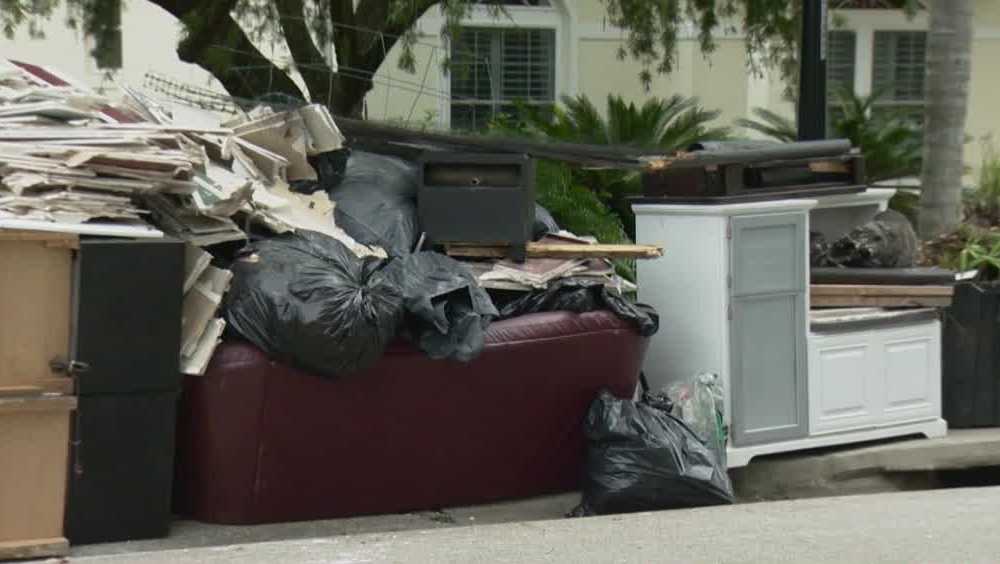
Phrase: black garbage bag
(447, 311)
(579, 296)
(887, 241)
(544, 223)
(331, 167)
(306, 299)
(641, 458)
(818, 248)
(375, 200)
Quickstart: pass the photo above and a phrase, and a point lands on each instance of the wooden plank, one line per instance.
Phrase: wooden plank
(36, 548)
(879, 301)
(557, 250)
(878, 290)
(35, 288)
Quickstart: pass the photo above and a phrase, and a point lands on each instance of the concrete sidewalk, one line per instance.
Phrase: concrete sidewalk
(957, 525)
(890, 466)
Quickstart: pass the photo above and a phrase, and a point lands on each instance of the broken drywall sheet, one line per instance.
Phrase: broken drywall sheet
(324, 135)
(196, 363)
(195, 262)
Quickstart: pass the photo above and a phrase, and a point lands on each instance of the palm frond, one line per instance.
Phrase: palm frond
(770, 124)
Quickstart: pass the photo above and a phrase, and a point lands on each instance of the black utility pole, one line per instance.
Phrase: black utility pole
(812, 71)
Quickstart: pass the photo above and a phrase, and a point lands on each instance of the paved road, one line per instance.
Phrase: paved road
(958, 525)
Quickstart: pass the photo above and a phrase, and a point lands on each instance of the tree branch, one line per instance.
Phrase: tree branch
(374, 14)
(216, 43)
(311, 64)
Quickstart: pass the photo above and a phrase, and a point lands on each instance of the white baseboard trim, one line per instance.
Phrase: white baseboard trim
(741, 456)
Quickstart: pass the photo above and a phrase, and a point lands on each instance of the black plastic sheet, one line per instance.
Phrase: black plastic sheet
(306, 299)
(579, 296)
(818, 248)
(375, 199)
(887, 241)
(641, 458)
(447, 311)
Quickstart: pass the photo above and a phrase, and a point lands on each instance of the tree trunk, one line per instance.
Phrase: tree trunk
(949, 47)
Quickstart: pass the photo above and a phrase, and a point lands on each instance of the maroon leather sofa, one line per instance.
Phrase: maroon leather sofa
(260, 442)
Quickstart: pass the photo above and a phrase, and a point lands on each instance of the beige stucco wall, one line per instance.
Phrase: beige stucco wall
(601, 74)
(149, 40)
(589, 11)
(720, 80)
(416, 97)
(984, 111)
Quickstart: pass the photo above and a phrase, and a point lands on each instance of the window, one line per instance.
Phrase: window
(899, 70)
(839, 71)
(493, 68)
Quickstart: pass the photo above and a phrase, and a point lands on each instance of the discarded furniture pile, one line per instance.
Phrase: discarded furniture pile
(800, 293)
(284, 289)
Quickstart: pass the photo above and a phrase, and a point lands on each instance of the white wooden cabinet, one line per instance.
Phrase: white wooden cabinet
(875, 377)
(732, 293)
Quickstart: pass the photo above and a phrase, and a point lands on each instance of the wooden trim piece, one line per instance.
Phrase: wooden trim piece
(20, 391)
(61, 385)
(37, 404)
(879, 301)
(35, 548)
(829, 166)
(48, 238)
(557, 250)
(851, 295)
(879, 290)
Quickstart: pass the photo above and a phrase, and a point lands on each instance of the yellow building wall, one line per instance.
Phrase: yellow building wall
(601, 74)
(149, 43)
(588, 11)
(417, 97)
(720, 79)
(983, 119)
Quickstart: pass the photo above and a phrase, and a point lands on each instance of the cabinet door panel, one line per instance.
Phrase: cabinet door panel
(912, 373)
(844, 382)
(768, 369)
(769, 254)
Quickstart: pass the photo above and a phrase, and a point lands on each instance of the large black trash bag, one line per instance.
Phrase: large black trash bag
(375, 200)
(447, 311)
(306, 299)
(887, 241)
(641, 458)
(579, 296)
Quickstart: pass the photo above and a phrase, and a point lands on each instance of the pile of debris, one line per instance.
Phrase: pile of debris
(540, 273)
(76, 162)
(309, 291)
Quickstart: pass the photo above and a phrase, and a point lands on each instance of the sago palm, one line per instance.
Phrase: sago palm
(659, 125)
(889, 141)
